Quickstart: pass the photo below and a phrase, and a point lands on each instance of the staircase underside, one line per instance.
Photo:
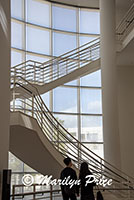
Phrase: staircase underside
(29, 144)
(85, 70)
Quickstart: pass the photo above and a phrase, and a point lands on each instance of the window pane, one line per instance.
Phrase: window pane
(17, 8)
(16, 179)
(89, 22)
(64, 18)
(69, 122)
(91, 101)
(17, 35)
(16, 57)
(63, 43)
(15, 164)
(93, 79)
(91, 130)
(38, 12)
(86, 39)
(96, 148)
(28, 169)
(37, 40)
(65, 99)
(45, 98)
(71, 83)
(36, 58)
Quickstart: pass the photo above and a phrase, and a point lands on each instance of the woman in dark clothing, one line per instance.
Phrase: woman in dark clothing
(86, 190)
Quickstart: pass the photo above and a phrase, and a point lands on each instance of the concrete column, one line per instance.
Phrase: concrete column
(109, 82)
(4, 84)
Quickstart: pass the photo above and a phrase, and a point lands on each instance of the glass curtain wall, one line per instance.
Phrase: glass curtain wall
(41, 30)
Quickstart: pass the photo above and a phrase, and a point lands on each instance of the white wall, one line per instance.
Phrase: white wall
(126, 117)
(4, 84)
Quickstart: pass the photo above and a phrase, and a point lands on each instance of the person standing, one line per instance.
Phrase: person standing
(86, 189)
(67, 191)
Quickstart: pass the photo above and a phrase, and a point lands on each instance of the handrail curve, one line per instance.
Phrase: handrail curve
(58, 67)
(30, 102)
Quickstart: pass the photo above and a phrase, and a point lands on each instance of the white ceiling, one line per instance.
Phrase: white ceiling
(83, 3)
(95, 3)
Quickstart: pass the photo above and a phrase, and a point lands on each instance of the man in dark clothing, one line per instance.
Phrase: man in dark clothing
(68, 173)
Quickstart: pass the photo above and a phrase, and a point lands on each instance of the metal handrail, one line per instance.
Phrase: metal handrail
(23, 101)
(126, 24)
(30, 99)
(37, 73)
(58, 67)
(51, 191)
(41, 73)
(34, 193)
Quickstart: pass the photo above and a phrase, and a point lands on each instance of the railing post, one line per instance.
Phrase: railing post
(34, 72)
(24, 70)
(51, 192)
(57, 69)
(32, 105)
(101, 168)
(14, 73)
(79, 154)
(43, 77)
(90, 54)
(13, 192)
(129, 191)
(41, 116)
(14, 94)
(58, 136)
(78, 65)
(34, 190)
(66, 67)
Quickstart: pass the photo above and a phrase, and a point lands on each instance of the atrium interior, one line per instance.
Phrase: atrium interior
(72, 69)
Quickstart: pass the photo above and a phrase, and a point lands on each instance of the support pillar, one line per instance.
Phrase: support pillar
(4, 85)
(109, 82)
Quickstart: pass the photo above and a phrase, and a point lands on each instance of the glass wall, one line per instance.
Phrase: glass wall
(41, 30)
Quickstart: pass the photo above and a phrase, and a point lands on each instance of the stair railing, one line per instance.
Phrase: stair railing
(28, 101)
(58, 67)
(126, 24)
(42, 73)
